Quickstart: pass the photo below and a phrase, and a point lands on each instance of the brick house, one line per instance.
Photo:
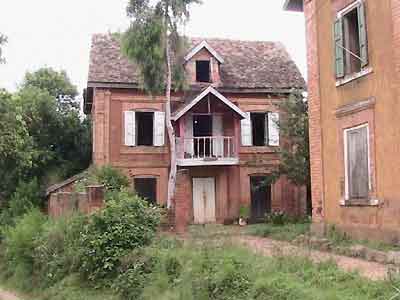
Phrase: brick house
(227, 139)
(353, 71)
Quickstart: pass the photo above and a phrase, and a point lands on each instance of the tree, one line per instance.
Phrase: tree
(57, 84)
(3, 40)
(17, 152)
(295, 157)
(153, 42)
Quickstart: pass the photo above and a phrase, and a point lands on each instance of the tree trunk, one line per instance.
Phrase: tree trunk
(170, 128)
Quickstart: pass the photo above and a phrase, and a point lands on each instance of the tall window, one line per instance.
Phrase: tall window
(357, 162)
(203, 71)
(351, 53)
(260, 129)
(144, 128)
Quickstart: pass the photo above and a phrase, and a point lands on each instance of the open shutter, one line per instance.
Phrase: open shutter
(188, 135)
(217, 130)
(362, 29)
(159, 128)
(339, 44)
(273, 129)
(130, 128)
(246, 131)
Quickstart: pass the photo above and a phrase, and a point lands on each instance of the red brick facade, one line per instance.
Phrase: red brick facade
(369, 98)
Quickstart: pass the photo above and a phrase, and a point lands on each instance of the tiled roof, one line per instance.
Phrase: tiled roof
(247, 64)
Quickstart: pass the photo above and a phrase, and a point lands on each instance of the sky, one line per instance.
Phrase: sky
(57, 33)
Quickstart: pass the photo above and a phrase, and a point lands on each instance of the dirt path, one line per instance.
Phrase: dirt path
(268, 247)
(4, 295)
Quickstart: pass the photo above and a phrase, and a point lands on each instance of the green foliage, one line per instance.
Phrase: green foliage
(126, 223)
(41, 133)
(278, 218)
(26, 197)
(57, 84)
(244, 211)
(19, 244)
(57, 249)
(287, 232)
(295, 159)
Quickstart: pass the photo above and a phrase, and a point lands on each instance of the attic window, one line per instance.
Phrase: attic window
(203, 71)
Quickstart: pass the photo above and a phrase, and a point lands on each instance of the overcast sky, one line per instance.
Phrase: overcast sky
(57, 33)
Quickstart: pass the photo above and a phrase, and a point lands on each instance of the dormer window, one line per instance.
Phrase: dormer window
(203, 71)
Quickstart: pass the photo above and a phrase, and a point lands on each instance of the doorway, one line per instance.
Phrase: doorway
(204, 200)
(202, 127)
(260, 197)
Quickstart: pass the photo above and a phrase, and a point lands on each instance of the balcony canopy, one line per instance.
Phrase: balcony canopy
(210, 90)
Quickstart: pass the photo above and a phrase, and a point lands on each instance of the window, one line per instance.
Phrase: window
(350, 35)
(144, 128)
(203, 71)
(260, 129)
(357, 162)
(146, 188)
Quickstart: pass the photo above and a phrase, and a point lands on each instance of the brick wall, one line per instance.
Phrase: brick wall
(65, 203)
(310, 8)
(182, 201)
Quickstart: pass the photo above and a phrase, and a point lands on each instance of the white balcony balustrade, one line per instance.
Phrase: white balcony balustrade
(207, 150)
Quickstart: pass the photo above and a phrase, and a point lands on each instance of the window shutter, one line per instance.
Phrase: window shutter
(246, 131)
(362, 29)
(217, 130)
(339, 51)
(188, 135)
(130, 128)
(159, 128)
(273, 129)
(357, 164)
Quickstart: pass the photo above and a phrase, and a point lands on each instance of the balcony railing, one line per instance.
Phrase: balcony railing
(208, 150)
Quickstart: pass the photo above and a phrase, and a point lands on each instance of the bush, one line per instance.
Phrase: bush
(57, 252)
(278, 218)
(126, 223)
(111, 178)
(19, 246)
(26, 196)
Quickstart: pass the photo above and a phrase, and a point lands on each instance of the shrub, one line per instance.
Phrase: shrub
(126, 223)
(111, 178)
(26, 196)
(57, 252)
(278, 218)
(19, 246)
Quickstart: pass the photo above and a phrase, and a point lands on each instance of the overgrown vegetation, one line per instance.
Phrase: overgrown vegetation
(39, 253)
(42, 136)
(286, 232)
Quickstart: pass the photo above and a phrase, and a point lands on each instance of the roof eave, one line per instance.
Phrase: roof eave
(294, 5)
(206, 46)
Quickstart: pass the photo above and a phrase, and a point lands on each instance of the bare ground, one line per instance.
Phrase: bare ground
(268, 247)
(4, 295)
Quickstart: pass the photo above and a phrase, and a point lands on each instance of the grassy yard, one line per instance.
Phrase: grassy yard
(208, 265)
(287, 232)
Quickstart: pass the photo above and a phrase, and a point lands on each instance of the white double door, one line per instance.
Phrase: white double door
(204, 200)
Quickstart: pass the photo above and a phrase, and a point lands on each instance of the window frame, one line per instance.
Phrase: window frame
(137, 128)
(266, 132)
(365, 69)
(147, 177)
(346, 163)
(200, 61)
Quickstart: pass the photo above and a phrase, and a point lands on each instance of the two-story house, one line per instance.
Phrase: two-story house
(353, 71)
(227, 140)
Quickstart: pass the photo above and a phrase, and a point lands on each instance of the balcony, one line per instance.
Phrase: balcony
(207, 151)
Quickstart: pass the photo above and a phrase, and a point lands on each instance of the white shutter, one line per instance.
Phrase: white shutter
(273, 129)
(159, 128)
(246, 131)
(130, 130)
(217, 130)
(188, 135)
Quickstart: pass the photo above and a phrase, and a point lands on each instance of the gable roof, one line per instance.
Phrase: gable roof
(247, 65)
(204, 45)
(209, 90)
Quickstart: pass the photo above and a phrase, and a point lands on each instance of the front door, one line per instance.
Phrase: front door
(260, 198)
(202, 127)
(204, 200)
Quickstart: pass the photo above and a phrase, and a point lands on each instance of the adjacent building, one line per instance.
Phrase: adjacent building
(353, 85)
